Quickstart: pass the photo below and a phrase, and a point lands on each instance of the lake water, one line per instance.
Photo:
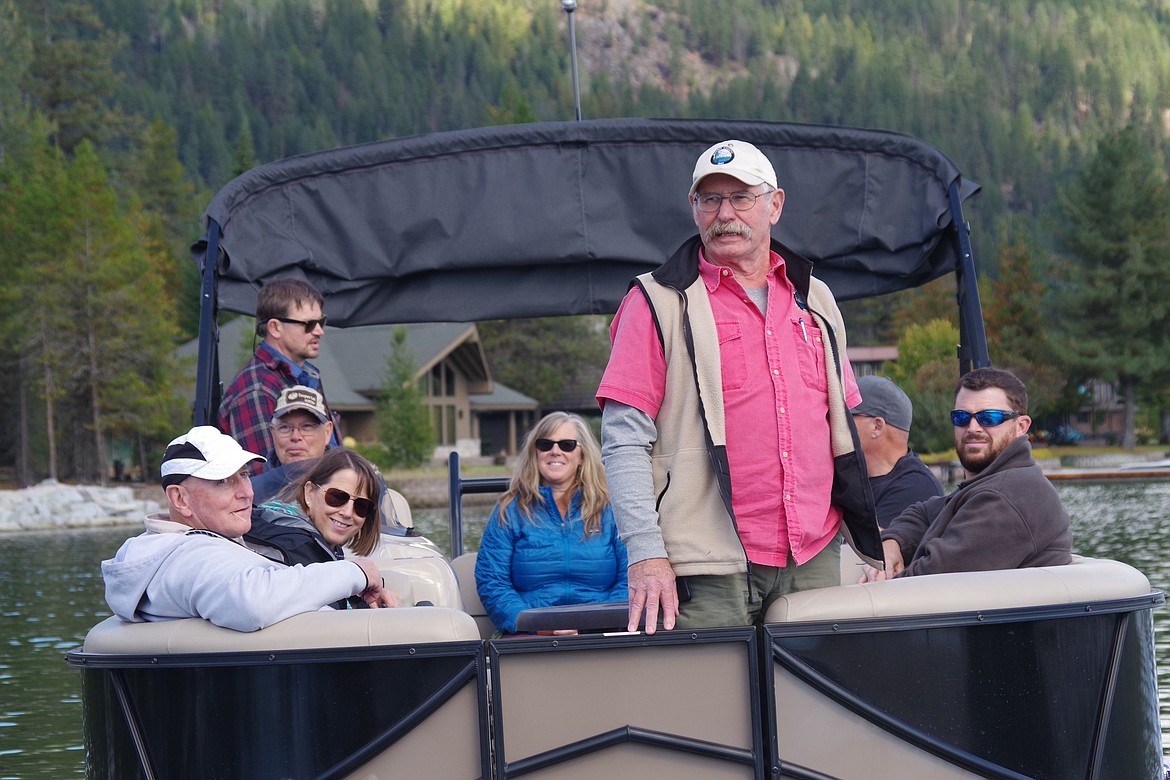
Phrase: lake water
(51, 594)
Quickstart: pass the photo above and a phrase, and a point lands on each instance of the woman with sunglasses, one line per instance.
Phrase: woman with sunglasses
(333, 505)
(551, 539)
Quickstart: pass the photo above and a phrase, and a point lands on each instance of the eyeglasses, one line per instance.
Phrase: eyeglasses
(566, 445)
(305, 429)
(310, 325)
(740, 201)
(988, 418)
(362, 507)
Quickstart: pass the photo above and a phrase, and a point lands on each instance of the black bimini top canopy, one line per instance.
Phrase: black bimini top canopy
(557, 218)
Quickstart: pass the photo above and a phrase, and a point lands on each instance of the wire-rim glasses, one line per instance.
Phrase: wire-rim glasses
(711, 202)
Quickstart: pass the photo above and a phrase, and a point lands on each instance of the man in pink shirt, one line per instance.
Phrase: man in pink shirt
(730, 452)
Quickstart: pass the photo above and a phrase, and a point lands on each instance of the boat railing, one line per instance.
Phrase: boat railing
(459, 487)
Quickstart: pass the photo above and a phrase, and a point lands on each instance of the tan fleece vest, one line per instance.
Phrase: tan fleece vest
(697, 526)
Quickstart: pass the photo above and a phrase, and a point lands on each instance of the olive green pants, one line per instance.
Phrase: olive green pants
(724, 600)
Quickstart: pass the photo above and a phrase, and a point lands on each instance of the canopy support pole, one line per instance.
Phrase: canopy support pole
(972, 350)
(207, 389)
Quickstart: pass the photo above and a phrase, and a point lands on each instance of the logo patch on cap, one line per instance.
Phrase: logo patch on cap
(722, 155)
(294, 396)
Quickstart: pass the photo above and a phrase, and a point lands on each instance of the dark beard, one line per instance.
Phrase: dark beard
(975, 464)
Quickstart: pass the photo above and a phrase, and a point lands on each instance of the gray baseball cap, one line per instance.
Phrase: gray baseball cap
(880, 397)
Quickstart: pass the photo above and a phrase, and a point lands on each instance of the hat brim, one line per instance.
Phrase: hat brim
(218, 469)
(750, 179)
(303, 407)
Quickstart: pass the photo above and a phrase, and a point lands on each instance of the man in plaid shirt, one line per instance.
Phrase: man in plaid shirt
(290, 317)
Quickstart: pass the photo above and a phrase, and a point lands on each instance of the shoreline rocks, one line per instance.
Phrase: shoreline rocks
(50, 505)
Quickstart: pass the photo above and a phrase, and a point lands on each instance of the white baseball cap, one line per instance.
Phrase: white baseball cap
(206, 453)
(735, 158)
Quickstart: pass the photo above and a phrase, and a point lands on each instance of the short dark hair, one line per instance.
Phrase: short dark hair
(278, 298)
(984, 378)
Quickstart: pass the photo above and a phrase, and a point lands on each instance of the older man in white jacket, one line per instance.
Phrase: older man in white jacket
(191, 562)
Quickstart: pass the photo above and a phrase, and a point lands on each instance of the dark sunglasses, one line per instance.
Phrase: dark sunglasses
(310, 325)
(362, 507)
(566, 445)
(988, 418)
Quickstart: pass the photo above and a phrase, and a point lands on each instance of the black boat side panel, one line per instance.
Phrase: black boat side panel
(1005, 699)
(262, 720)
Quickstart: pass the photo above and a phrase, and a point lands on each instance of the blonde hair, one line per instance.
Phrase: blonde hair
(525, 485)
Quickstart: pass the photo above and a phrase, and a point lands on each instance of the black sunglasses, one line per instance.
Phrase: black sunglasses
(988, 418)
(362, 507)
(566, 445)
(310, 325)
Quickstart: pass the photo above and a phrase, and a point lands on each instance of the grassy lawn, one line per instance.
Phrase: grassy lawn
(1042, 452)
(439, 471)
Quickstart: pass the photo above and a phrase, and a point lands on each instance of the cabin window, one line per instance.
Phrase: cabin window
(443, 423)
(442, 382)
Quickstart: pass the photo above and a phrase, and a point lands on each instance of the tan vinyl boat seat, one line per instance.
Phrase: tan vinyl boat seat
(1085, 579)
(350, 628)
(464, 567)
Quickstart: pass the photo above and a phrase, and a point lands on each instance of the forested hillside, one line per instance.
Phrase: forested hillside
(159, 102)
(1016, 92)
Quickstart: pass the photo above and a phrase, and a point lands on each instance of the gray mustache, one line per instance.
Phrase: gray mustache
(716, 229)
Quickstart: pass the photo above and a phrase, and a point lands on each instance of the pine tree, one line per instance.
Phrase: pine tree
(1116, 236)
(404, 426)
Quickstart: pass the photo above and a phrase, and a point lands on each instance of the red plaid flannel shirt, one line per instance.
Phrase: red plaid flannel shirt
(245, 413)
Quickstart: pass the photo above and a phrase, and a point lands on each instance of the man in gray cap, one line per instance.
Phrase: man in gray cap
(301, 432)
(897, 477)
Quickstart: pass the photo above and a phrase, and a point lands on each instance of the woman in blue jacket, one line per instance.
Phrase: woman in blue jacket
(551, 539)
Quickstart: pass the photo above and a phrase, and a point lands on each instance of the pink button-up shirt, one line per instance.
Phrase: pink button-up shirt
(776, 412)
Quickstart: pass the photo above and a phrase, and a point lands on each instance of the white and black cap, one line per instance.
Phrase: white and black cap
(206, 453)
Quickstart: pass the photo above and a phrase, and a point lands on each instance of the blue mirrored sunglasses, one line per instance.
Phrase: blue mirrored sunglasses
(988, 418)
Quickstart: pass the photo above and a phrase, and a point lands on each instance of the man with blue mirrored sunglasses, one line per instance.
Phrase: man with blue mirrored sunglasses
(1004, 515)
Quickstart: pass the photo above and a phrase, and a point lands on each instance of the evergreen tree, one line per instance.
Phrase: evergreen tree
(404, 426)
(71, 78)
(170, 206)
(1116, 236)
(548, 357)
(1017, 337)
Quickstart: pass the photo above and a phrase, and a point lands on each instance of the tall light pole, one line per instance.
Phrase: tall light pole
(570, 6)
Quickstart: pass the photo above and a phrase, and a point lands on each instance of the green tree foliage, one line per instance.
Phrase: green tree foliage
(925, 369)
(170, 205)
(547, 358)
(71, 77)
(1017, 93)
(1116, 233)
(1017, 336)
(88, 313)
(404, 426)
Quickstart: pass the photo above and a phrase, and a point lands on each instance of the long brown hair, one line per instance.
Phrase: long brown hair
(524, 487)
(334, 460)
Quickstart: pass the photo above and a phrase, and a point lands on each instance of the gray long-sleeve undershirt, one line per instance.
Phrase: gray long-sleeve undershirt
(627, 434)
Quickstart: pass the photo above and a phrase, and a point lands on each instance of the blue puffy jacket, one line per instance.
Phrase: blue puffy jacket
(544, 562)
